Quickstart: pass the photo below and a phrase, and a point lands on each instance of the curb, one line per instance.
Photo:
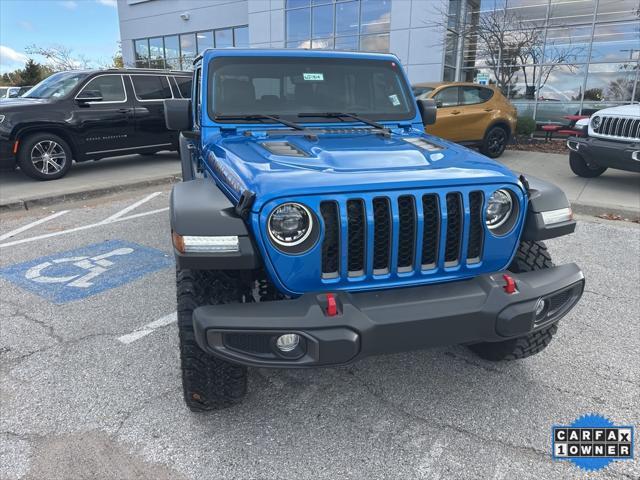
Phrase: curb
(87, 194)
(598, 210)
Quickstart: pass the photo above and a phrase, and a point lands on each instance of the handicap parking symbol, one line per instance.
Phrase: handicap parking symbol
(86, 271)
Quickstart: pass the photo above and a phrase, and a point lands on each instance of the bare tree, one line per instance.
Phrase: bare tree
(59, 57)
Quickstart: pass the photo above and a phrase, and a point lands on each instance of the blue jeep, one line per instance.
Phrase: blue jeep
(318, 224)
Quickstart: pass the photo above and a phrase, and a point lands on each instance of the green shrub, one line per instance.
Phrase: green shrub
(525, 126)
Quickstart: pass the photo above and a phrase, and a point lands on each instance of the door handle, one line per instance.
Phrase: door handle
(123, 110)
(455, 112)
(488, 109)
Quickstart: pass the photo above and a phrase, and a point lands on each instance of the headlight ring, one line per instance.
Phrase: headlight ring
(501, 212)
(292, 228)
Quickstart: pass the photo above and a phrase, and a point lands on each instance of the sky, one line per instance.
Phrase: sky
(89, 27)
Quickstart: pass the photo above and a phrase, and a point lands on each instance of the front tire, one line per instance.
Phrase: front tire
(580, 167)
(44, 156)
(209, 383)
(529, 257)
(494, 142)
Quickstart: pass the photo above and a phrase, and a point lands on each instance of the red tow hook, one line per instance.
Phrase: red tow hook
(332, 306)
(510, 284)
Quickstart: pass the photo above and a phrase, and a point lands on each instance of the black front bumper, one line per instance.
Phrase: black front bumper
(607, 153)
(387, 321)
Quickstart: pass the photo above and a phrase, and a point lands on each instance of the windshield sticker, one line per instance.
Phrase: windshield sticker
(313, 77)
(394, 100)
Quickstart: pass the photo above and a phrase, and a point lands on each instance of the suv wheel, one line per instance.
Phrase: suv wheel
(580, 167)
(44, 156)
(209, 383)
(495, 141)
(530, 256)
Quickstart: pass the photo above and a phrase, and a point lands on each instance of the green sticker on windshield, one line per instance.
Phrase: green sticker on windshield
(314, 77)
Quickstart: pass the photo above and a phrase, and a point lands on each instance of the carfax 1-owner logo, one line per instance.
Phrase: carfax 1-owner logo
(592, 442)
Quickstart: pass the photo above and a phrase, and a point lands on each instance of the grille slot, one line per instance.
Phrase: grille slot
(356, 237)
(474, 250)
(382, 235)
(454, 230)
(431, 231)
(623, 127)
(406, 232)
(331, 242)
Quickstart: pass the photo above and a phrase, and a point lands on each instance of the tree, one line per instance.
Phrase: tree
(32, 73)
(59, 57)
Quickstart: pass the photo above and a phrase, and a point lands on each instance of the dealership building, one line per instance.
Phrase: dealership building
(550, 57)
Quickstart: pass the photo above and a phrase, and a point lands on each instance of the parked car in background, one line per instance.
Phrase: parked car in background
(470, 114)
(22, 90)
(88, 115)
(612, 141)
(8, 92)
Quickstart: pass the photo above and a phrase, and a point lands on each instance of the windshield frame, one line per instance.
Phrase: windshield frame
(60, 76)
(219, 61)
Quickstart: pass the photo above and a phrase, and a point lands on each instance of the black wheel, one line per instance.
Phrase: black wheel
(580, 167)
(209, 383)
(530, 256)
(44, 156)
(495, 141)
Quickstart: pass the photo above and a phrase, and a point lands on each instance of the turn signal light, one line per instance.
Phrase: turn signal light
(205, 244)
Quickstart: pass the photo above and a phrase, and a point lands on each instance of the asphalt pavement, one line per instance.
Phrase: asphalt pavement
(90, 381)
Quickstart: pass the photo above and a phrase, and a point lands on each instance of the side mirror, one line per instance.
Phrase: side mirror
(428, 111)
(177, 114)
(89, 96)
(13, 94)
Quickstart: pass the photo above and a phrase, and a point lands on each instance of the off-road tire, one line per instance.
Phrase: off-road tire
(529, 257)
(25, 160)
(209, 383)
(495, 141)
(580, 167)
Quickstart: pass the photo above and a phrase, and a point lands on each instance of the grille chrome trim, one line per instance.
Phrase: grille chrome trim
(619, 127)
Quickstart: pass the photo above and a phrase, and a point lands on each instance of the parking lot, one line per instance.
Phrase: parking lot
(90, 380)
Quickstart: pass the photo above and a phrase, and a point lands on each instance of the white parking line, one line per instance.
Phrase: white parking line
(83, 227)
(28, 226)
(124, 211)
(148, 328)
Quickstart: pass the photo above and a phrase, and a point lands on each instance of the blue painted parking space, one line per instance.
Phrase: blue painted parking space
(83, 272)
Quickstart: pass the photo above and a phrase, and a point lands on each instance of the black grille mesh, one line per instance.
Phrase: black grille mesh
(474, 250)
(431, 232)
(381, 235)
(454, 228)
(356, 238)
(407, 231)
(331, 242)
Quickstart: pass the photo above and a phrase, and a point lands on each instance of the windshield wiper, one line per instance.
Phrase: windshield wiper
(384, 130)
(275, 118)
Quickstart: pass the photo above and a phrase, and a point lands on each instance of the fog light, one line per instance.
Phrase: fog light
(541, 308)
(287, 342)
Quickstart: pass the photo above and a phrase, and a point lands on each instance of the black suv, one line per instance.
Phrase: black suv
(88, 115)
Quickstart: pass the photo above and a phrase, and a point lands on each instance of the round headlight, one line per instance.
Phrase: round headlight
(499, 207)
(290, 224)
(595, 122)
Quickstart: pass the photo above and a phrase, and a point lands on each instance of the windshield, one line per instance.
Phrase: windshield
(288, 87)
(57, 85)
(421, 93)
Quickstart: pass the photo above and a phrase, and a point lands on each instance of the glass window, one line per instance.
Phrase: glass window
(205, 40)
(224, 38)
(422, 93)
(616, 41)
(322, 21)
(375, 16)
(172, 52)
(156, 51)
(617, 10)
(375, 43)
(568, 12)
(611, 81)
(346, 43)
(109, 87)
(141, 48)
(447, 97)
(151, 87)
(184, 86)
(56, 85)
(241, 37)
(188, 45)
(297, 3)
(298, 25)
(322, 44)
(474, 95)
(568, 44)
(347, 18)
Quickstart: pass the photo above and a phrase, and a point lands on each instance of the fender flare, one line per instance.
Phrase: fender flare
(544, 197)
(199, 208)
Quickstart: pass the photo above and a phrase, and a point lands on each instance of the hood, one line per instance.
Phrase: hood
(289, 165)
(19, 103)
(621, 110)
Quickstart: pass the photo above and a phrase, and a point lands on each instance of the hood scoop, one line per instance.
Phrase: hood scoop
(284, 149)
(423, 144)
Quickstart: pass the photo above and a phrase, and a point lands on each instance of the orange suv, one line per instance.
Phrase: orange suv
(470, 114)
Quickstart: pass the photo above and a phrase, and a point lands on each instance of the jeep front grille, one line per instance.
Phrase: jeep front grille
(620, 127)
(406, 233)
